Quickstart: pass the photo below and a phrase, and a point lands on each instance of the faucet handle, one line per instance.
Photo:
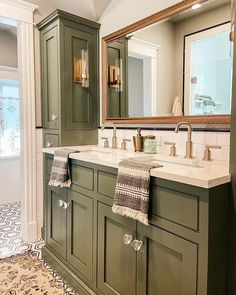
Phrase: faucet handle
(123, 144)
(106, 143)
(172, 148)
(207, 152)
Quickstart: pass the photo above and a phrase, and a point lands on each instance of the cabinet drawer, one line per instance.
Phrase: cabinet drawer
(177, 207)
(83, 177)
(106, 183)
(51, 140)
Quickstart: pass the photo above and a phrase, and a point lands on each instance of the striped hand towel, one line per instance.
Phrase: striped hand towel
(132, 190)
(60, 173)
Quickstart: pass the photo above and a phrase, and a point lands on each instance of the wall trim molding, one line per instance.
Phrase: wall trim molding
(23, 13)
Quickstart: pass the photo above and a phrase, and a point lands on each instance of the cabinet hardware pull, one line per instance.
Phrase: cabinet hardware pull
(66, 205)
(137, 245)
(53, 117)
(127, 239)
(60, 203)
(49, 144)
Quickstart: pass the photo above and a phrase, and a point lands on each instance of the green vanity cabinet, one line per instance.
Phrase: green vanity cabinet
(116, 261)
(167, 264)
(80, 233)
(69, 111)
(184, 248)
(56, 220)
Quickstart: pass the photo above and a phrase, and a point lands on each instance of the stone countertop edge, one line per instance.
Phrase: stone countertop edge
(205, 177)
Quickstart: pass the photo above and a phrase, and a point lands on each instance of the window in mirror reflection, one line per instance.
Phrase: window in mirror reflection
(208, 72)
(181, 65)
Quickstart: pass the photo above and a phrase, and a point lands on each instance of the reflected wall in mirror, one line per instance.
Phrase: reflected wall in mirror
(181, 65)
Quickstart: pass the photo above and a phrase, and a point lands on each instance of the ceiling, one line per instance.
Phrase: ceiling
(91, 9)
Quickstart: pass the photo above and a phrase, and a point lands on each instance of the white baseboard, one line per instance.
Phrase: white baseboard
(30, 232)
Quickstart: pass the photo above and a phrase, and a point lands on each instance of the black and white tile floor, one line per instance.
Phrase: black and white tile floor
(11, 242)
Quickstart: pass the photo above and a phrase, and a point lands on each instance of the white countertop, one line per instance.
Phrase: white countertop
(194, 172)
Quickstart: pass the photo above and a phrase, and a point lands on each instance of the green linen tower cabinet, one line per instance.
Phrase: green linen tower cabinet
(70, 111)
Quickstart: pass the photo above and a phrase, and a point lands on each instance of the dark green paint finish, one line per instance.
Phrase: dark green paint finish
(67, 107)
(176, 258)
(103, 178)
(51, 140)
(117, 100)
(116, 261)
(82, 176)
(50, 76)
(56, 221)
(167, 264)
(80, 233)
(175, 206)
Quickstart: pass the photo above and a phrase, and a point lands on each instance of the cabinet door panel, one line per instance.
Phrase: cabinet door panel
(167, 264)
(116, 261)
(118, 103)
(80, 233)
(56, 221)
(80, 102)
(50, 78)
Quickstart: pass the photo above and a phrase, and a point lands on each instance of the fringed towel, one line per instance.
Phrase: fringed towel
(60, 173)
(132, 190)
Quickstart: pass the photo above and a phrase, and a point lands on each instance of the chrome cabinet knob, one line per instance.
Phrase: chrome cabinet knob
(137, 245)
(66, 205)
(54, 117)
(60, 203)
(127, 239)
(49, 144)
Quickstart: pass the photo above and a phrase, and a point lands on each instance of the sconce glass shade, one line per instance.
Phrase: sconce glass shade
(116, 75)
(81, 69)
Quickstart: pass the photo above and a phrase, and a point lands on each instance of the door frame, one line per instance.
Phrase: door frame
(23, 13)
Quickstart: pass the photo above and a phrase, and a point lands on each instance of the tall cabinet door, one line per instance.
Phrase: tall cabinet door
(80, 102)
(50, 78)
(117, 103)
(167, 264)
(56, 220)
(116, 261)
(80, 233)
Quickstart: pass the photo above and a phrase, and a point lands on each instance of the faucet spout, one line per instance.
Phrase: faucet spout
(189, 144)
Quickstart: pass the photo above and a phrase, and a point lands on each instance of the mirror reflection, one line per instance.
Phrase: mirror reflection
(181, 65)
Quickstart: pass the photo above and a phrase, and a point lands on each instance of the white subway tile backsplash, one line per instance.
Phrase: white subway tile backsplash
(200, 140)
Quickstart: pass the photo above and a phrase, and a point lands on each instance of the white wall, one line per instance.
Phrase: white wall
(8, 48)
(194, 24)
(10, 180)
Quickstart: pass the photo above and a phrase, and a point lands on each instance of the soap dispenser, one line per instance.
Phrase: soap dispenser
(138, 141)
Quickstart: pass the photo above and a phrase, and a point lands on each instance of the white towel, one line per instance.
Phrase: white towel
(177, 107)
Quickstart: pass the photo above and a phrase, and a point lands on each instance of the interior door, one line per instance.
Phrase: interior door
(167, 264)
(116, 261)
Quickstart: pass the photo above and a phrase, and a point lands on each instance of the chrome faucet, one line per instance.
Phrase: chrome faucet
(189, 144)
(114, 137)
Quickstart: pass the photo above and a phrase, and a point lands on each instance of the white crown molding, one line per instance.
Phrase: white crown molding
(17, 10)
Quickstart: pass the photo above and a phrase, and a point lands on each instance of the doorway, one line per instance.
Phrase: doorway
(11, 153)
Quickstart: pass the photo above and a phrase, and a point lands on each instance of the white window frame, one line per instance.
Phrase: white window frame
(188, 60)
(22, 12)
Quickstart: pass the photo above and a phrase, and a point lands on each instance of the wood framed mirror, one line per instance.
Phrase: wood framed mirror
(172, 66)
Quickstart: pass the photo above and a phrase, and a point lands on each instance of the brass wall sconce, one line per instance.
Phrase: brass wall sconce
(115, 76)
(81, 69)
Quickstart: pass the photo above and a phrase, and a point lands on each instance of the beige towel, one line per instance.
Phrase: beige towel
(177, 107)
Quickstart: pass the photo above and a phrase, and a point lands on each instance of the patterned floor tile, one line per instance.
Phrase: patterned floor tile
(11, 242)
